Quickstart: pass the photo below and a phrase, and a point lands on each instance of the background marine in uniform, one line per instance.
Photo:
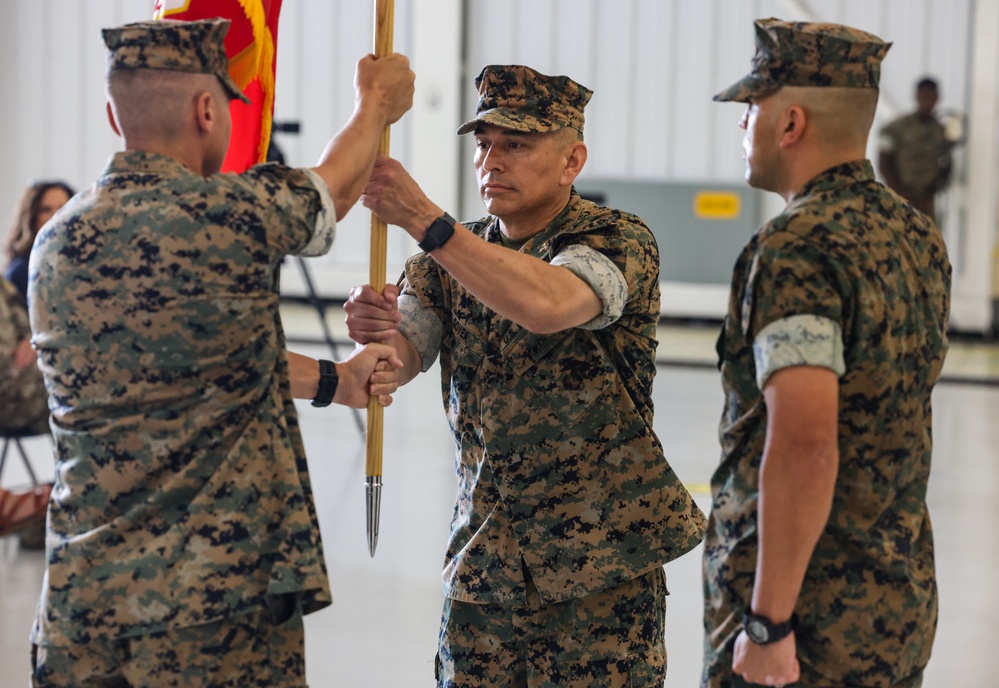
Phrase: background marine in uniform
(914, 153)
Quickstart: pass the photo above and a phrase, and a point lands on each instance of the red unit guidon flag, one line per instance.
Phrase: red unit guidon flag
(251, 46)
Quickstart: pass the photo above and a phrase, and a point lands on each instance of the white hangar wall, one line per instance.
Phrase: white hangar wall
(653, 65)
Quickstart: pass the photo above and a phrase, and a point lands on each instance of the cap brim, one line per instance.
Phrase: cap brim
(743, 90)
(508, 119)
(232, 89)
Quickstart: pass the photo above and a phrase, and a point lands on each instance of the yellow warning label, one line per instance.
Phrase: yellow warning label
(716, 205)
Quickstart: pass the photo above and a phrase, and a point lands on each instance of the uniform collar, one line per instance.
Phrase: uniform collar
(836, 177)
(143, 161)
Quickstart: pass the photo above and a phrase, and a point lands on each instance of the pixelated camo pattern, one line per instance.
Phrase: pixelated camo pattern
(181, 46)
(556, 456)
(848, 249)
(614, 637)
(520, 98)
(246, 651)
(809, 54)
(182, 491)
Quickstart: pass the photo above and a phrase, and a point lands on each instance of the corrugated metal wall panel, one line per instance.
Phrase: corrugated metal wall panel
(318, 48)
(653, 64)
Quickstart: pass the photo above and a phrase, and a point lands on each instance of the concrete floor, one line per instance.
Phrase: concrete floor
(382, 628)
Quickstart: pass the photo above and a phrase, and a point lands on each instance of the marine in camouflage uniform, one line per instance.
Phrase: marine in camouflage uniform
(566, 507)
(183, 543)
(23, 402)
(914, 155)
(848, 279)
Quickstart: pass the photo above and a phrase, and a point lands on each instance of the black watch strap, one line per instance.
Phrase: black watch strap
(328, 381)
(437, 233)
(763, 631)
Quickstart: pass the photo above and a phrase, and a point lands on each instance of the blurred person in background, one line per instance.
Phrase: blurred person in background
(39, 202)
(914, 152)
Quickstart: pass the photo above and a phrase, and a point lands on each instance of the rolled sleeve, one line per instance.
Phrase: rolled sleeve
(604, 278)
(422, 328)
(798, 340)
(325, 226)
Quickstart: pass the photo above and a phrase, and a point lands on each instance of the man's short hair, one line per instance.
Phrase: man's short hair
(176, 46)
(927, 82)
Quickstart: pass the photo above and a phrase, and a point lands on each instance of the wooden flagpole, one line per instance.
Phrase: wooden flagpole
(384, 22)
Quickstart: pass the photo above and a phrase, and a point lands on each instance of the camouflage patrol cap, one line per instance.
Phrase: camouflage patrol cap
(809, 54)
(519, 98)
(179, 46)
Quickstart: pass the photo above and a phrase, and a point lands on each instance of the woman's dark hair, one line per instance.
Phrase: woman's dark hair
(24, 227)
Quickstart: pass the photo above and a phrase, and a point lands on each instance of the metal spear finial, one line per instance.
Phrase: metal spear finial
(373, 494)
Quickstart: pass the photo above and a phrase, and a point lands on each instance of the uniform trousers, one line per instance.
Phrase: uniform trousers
(608, 639)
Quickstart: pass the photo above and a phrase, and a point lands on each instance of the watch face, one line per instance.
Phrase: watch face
(756, 631)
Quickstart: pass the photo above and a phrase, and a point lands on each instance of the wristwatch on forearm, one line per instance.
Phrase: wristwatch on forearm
(328, 381)
(763, 631)
(437, 233)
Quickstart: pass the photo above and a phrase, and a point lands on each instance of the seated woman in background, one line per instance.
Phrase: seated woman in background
(39, 202)
(23, 400)
(24, 410)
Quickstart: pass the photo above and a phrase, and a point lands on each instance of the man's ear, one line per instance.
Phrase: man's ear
(574, 163)
(111, 120)
(205, 113)
(795, 121)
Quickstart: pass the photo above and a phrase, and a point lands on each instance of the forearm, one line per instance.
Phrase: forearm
(346, 163)
(304, 376)
(541, 297)
(796, 493)
(943, 178)
(24, 355)
(411, 363)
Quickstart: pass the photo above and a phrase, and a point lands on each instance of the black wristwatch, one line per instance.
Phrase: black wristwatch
(328, 381)
(437, 233)
(763, 631)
